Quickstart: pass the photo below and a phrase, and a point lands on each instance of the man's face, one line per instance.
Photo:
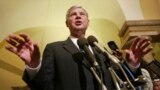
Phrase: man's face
(77, 22)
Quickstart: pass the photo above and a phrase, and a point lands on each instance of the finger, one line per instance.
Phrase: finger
(127, 51)
(29, 46)
(135, 42)
(127, 54)
(117, 52)
(12, 42)
(12, 49)
(16, 38)
(25, 37)
(142, 42)
(148, 50)
(36, 47)
(145, 45)
(36, 52)
(28, 42)
(113, 51)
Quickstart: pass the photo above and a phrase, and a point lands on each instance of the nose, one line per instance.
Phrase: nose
(78, 16)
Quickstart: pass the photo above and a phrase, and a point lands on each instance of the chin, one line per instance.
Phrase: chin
(81, 28)
(80, 35)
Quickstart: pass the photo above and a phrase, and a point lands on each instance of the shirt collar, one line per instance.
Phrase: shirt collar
(74, 40)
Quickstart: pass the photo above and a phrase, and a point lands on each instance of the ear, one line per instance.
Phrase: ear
(66, 23)
(88, 21)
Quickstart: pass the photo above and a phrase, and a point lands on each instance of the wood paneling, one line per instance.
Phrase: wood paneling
(135, 28)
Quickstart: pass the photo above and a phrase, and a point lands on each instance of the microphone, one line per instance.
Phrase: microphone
(83, 44)
(153, 65)
(94, 42)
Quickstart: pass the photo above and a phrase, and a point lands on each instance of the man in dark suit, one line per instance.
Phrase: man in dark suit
(63, 66)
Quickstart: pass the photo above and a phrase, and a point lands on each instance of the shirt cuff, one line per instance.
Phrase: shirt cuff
(133, 68)
(33, 71)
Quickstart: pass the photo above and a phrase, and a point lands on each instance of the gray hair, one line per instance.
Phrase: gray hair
(73, 7)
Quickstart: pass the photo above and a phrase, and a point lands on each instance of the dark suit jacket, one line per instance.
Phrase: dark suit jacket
(65, 68)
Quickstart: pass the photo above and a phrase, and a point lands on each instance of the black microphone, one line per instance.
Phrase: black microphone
(94, 42)
(83, 44)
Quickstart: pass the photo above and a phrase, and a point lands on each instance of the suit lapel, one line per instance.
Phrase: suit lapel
(77, 55)
(70, 47)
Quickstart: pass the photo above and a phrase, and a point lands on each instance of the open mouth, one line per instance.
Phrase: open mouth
(78, 22)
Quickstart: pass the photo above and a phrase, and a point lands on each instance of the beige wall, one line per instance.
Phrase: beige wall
(150, 9)
(131, 9)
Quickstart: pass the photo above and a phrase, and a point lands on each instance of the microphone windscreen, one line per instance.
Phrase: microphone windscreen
(82, 42)
(91, 39)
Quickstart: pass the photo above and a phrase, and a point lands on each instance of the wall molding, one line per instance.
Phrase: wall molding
(133, 28)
